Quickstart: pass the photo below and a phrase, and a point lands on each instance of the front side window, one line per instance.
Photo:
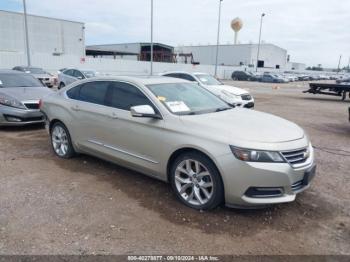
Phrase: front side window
(78, 74)
(123, 96)
(208, 80)
(89, 73)
(187, 77)
(187, 98)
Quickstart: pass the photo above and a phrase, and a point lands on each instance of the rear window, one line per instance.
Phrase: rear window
(9, 80)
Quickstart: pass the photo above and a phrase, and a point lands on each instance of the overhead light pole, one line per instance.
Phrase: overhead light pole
(151, 73)
(218, 40)
(257, 56)
(26, 32)
(339, 64)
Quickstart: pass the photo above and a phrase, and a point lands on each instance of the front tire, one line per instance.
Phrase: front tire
(196, 181)
(61, 141)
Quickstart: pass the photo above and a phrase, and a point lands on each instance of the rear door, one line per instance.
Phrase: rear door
(90, 114)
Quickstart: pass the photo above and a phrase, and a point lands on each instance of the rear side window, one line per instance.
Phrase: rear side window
(92, 92)
(123, 96)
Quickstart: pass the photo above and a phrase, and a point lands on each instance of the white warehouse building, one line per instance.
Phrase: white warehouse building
(47, 37)
(270, 56)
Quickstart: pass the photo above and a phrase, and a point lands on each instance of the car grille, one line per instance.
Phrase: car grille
(32, 105)
(296, 157)
(298, 185)
(246, 97)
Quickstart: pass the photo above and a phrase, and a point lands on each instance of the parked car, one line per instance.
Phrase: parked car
(244, 76)
(271, 78)
(39, 73)
(181, 133)
(232, 95)
(19, 98)
(70, 75)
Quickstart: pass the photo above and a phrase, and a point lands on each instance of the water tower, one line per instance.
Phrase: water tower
(236, 25)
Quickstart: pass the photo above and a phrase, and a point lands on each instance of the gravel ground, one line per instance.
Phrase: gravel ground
(87, 206)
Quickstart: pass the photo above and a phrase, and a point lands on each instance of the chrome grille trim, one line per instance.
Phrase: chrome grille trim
(296, 157)
(297, 185)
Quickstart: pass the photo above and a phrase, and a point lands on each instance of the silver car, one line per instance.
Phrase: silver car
(175, 131)
(232, 95)
(20, 94)
(70, 75)
(43, 76)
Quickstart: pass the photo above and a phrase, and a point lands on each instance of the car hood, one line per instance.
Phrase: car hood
(230, 89)
(244, 125)
(26, 93)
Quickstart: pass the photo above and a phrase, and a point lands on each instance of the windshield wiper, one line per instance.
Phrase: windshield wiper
(222, 109)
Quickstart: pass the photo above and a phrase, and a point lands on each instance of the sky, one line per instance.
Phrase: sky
(313, 31)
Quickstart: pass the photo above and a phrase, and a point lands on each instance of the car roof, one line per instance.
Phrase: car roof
(28, 67)
(143, 80)
(184, 72)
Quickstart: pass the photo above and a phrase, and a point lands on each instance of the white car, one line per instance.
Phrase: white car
(232, 95)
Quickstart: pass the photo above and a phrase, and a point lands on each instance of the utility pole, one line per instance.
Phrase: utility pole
(339, 64)
(151, 37)
(218, 41)
(26, 33)
(257, 56)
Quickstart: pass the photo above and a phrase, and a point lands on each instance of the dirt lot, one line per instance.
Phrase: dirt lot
(87, 206)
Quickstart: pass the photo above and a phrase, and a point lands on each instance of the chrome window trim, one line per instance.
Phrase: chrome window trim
(121, 81)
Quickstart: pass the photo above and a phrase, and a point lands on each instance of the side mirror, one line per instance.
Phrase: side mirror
(144, 111)
(80, 77)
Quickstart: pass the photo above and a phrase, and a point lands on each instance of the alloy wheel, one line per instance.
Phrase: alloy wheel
(60, 141)
(194, 182)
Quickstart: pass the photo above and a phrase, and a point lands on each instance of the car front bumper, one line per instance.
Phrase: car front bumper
(10, 116)
(241, 179)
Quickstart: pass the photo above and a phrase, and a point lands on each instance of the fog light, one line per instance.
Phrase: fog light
(261, 192)
(13, 119)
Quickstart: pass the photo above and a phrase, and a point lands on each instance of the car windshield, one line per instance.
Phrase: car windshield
(187, 98)
(18, 80)
(34, 70)
(89, 73)
(208, 80)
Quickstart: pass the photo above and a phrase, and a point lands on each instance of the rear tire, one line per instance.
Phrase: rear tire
(61, 141)
(196, 181)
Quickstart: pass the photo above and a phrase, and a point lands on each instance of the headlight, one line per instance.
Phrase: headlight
(250, 155)
(231, 95)
(10, 101)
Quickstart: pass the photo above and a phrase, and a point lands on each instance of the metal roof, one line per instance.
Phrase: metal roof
(51, 18)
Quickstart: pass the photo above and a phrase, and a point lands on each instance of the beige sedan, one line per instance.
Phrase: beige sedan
(173, 130)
